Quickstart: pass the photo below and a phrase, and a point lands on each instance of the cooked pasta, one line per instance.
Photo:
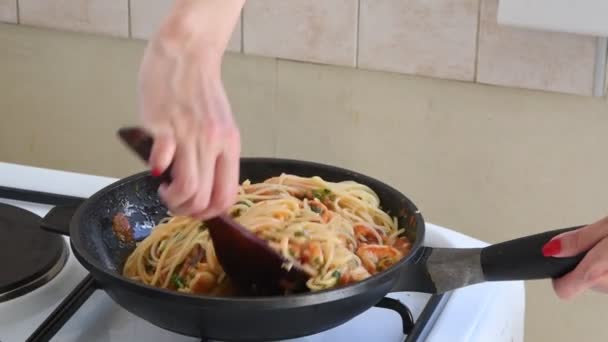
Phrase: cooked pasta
(335, 230)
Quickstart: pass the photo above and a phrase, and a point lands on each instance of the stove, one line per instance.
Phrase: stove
(55, 299)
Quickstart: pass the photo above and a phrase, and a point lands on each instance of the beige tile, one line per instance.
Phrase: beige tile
(314, 113)
(549, 61)
(89, 16)
(317, 31)
(235, 42)
(8, 11)
(251, 86)
(81, 90)
(146, 15)
(431, 38)
(606, 82)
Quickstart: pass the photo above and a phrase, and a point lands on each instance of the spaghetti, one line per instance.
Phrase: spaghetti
(335, 230)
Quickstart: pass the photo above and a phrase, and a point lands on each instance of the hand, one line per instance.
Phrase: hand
(183, 105)
(592, 271)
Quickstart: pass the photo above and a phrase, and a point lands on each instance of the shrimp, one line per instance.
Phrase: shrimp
(377, 258)
(203, 282)
(313, 254)
(403, 245)
(366, 234)
(355, 275)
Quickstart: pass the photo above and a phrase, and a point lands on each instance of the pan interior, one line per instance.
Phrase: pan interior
(137, 198)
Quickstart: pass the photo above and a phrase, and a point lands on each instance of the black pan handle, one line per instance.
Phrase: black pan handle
(522, 259)
(414, 276)
(58, 219)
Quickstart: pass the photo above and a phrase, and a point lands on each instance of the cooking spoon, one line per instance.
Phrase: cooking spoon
(249, 261)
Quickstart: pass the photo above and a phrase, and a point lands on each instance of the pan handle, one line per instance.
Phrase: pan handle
(414, 276)
(58, 219)
(522, 259)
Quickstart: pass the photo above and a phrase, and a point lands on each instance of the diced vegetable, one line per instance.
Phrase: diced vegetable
(178, 281)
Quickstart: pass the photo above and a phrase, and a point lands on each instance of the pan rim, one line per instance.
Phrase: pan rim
(272, 302)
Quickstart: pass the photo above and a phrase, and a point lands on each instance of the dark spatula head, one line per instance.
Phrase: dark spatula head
(248, 260)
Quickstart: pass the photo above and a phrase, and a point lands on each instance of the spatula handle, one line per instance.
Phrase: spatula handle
(522, 259)
(141, 143)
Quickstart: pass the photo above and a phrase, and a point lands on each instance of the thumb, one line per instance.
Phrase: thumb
(578, 241)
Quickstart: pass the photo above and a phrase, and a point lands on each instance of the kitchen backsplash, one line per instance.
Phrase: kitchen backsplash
(449, 39)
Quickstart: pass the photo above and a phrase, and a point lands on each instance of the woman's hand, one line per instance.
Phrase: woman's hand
(592, 271)
(183, 105)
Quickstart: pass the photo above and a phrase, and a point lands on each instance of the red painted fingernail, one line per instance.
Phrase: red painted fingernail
(156, 172)
(552, 248)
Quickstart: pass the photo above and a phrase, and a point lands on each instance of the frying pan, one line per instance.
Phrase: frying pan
(247, 318)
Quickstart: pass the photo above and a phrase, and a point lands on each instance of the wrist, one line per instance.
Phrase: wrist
(205, 23)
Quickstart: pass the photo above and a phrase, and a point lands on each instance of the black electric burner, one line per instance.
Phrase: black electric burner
(25, 226)
(29, 256)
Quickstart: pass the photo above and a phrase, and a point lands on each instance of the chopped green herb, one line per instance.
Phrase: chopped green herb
(336, 274)
(201, 228)
(298, 233)
(316, 209)
(243, 203)
(177, 281)
(321, 194)
(292, 252)
(317, 261)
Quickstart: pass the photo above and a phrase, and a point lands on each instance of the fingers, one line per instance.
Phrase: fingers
(205, 174)
(207, 152)
(601, 285)
(577, 241)
(225, 185)
(591, 272)
(185, 181)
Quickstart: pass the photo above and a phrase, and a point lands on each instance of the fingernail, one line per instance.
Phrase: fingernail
(156, 172)
(552, 248)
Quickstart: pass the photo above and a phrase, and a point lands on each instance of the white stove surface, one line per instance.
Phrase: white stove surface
(483, 312)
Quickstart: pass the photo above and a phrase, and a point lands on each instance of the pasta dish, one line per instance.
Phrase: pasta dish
(336, 231)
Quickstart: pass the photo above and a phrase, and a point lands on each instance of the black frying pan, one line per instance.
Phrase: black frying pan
(425, 269)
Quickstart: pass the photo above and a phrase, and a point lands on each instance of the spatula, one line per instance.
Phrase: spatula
(250, 263)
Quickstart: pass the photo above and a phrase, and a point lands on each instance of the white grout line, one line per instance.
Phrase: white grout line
(357, 33)
(129, 31)
(242, 19)
(477, 42)
(599, 78)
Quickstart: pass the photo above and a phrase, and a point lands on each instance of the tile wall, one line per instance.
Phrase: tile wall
(448, 39)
